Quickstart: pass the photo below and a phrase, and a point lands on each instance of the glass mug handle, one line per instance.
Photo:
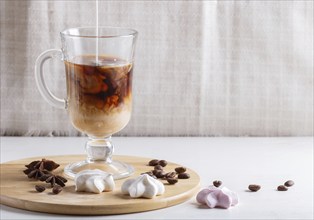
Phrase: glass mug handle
(40, 81)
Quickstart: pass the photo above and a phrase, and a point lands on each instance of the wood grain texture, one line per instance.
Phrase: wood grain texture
(18, 191)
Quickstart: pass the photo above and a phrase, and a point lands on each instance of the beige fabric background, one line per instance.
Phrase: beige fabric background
(202, 67)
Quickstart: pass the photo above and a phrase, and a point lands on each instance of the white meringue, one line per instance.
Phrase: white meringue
(143, 186)
(217, 197)
(95, 181)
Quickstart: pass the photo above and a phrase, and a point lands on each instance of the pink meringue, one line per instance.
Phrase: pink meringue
(217, 197)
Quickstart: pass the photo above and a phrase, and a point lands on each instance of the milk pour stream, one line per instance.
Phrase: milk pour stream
(97, 32)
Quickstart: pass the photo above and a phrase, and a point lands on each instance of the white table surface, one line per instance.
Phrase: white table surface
(237, 162)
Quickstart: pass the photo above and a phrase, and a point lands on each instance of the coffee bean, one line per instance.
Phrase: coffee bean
(183, 176)
(56, 189)
(158, 167)
(217, 183)
(282, 188)
(172, 181)
(180, 169)
(153, 162)
(40, 188)
(254, 187)
(155, 172)
(289, 183)
(160, 174)
(163, 163)
(170, 175)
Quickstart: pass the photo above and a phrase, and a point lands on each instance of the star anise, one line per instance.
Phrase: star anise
(43, 164)
(53, 179)
(35, 173)
(38, 168)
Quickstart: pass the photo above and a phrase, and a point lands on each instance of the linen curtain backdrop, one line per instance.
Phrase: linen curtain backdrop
(202, 68)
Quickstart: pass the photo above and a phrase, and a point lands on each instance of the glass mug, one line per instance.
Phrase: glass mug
(98, 65)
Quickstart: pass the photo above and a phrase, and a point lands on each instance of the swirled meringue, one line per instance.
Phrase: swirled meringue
(95, 181)
(143, 186)
(217, 197)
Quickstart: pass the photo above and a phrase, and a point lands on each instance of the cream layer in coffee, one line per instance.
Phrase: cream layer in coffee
(99, 94)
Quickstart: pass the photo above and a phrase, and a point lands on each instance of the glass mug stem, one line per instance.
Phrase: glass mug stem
(99, 150)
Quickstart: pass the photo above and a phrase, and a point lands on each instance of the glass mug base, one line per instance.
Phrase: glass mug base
(118, 169)
(99, 152)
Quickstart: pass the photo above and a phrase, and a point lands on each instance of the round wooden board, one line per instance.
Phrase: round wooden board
(18, 191)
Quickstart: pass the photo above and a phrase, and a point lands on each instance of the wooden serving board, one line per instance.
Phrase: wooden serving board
(18, 191)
